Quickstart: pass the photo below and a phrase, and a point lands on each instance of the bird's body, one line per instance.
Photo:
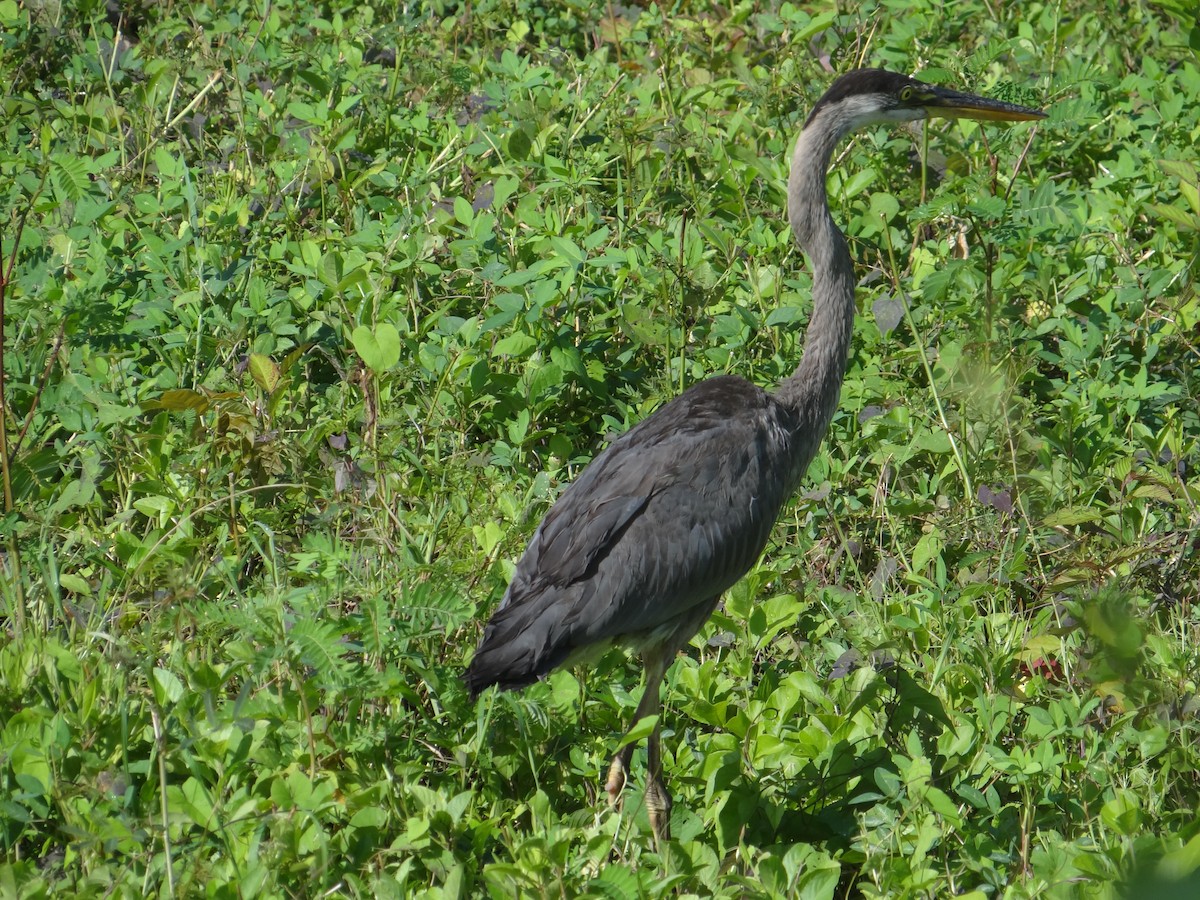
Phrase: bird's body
(638, 550)
(650, 535)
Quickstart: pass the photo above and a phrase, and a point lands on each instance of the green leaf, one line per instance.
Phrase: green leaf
(70, 173)
(264, 372)
(463, 211)
(488, 536)
(914, 695)
(1123, 813)
(504, 188)
(819, 881)
(1182, 862)
(1072, 515)
(617, 882)
(168, 689)
(75, 584)
(1154, 491)
(379, 349)
(31, 769)
(928, 548)
(197, 802)
(568, 250)
(170, 167)
(815, 25)
(1181, 217)
(154, 507)
(516, 344)
(10, 14)
(1181, 169)
(545, 377)
(178, 400)
(519, 145)
(987, 207)
(858, 181)
(641, 730)
(932, 440)
(884, 208)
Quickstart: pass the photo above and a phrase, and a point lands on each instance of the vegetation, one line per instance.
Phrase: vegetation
(308, 315)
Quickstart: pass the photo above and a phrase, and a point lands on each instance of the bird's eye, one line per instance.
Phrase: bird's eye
(906, 94)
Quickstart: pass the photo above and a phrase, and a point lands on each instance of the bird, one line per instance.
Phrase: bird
(639, 548)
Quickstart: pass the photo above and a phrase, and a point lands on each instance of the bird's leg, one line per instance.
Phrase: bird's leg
(648, 706)
(658, 801)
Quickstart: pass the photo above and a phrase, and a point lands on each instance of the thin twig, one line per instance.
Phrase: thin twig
(200, 95)
(1020, 161)
(37, 395)
(595, 109)
(937, 399)
(14, 556)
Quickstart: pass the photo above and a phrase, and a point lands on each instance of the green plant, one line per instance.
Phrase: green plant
(308, 316)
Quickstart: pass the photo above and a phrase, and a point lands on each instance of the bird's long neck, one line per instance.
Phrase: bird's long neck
(812, 391)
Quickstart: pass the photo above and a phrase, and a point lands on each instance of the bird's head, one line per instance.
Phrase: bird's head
(875, 96)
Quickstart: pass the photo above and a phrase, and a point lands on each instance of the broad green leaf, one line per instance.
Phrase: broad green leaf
(1154, 491)
(819, 882)
(516, 344)
(264, 372)
(197, 802)
(884, 208)
(913, 693)
(545, 377)
(932, 440)
(154, 507)
(519, 145)
(169, 166)
(463, 211)
(488, 536)
(31, 768)
(379, 349)
(1183, 861)
(641, 730)
(168, 689)
(1123, 813)
(858, 182)
(369, 817)
(928, 548)
(1183, 218)
(74, 583)
(815, 25)
(504, 187)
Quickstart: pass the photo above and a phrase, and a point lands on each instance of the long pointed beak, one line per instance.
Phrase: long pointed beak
(955, 105)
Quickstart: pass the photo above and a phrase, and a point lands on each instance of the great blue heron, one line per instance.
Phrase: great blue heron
(638, 550)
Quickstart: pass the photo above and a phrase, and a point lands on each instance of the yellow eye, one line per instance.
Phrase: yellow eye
(906, 94)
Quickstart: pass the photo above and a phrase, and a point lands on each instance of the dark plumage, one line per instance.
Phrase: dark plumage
(638, 550)
(657, 516)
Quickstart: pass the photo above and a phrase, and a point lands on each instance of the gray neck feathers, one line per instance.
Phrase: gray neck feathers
(812, 391)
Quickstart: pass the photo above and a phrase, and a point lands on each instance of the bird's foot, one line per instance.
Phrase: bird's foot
(616, 780)
(658, 809)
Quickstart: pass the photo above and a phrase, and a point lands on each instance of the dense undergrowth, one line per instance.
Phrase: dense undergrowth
(309, 315)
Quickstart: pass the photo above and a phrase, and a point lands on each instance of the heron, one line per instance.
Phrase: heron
(638, 550)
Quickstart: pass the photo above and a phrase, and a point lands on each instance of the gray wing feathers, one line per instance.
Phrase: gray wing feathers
(661, 522)
(571, 539)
